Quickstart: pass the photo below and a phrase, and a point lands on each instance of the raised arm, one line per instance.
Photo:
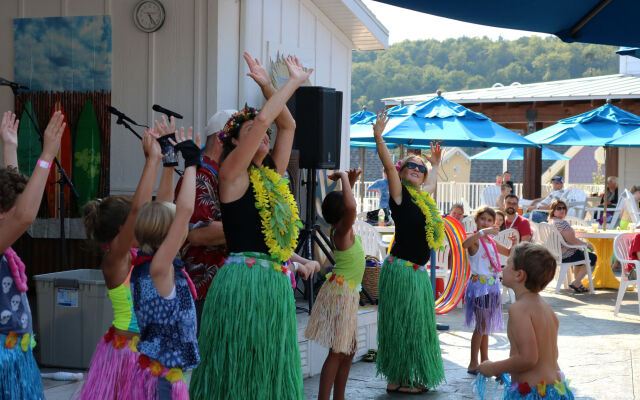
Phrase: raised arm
(12, 226)
(434, 158)
(236, 164)
(395, 186)
(125, 239)
(165, 188)
(284, 121)
(161, 269)
(9, 136)
(342, 236)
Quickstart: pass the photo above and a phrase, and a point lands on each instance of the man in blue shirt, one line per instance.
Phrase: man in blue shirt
(382, 186)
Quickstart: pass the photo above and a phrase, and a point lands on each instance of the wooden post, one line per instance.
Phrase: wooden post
(531, 185)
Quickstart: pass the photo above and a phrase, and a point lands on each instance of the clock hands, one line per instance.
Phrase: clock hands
(151, 19)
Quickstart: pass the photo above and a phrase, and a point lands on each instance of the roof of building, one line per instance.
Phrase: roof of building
(448, 152)
(618, 86)
(357, 22)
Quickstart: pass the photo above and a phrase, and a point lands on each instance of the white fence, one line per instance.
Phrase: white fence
(449, 193)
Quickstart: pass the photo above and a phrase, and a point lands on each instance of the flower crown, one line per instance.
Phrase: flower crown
(237, 119)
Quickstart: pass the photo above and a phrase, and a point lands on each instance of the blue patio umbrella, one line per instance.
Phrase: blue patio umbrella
(516, 153)
(362, 116)
(440, 119)
(597, 127)
(631, 139)
(612, 22)
(629, 51)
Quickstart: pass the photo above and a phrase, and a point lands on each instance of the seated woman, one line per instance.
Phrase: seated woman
(556, 218)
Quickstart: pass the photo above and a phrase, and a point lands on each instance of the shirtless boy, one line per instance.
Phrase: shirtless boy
(532, 329)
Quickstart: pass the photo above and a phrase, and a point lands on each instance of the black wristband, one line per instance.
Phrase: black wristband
(169, 156)
(190, 153)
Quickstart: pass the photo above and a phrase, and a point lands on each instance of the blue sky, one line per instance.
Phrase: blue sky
(63, 53)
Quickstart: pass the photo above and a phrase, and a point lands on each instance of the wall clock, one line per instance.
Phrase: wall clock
(148, 15)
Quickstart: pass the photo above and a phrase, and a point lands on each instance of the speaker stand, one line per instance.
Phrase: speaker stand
(312, 233)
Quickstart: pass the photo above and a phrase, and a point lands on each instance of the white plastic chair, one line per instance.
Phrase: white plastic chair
(617, 210)
(489, 195)
(576, 200)
(371, 240)
(503, 239)
(469, 223)
(551, 238)
(621, 246)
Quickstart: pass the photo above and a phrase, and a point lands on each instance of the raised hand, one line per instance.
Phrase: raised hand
(9, 129)
(353, 175)
(436, 153)
(336, 176)
(514, 239)
(185, 145)
(150, 145)
(297, 73)
(380, 123)
(162, 128)
(53, 135)
(257, 71)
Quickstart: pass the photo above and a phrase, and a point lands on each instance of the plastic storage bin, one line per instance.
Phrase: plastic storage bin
(73, 314)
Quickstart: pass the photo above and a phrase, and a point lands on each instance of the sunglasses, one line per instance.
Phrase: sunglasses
(561, 208)
(412, 165)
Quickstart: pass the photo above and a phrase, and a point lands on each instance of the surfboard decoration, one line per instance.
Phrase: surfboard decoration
(86, 155)
(64, 156)
(29, 148)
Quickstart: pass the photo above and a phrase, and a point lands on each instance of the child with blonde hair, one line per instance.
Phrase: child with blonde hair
(163, 295)
(483, 301)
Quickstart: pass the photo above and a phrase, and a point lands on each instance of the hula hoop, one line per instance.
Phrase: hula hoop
(460, 271)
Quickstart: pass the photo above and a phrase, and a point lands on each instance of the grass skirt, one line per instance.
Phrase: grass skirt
(19, 373)
(334, 320)
(408, 344)
(113, 365)
(483, 304)
(147, 379)
(488, 389)
(248, 338)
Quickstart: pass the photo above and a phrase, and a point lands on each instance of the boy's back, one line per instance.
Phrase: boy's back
(532, 319)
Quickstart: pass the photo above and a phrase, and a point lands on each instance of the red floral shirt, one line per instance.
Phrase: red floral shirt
(202, 262)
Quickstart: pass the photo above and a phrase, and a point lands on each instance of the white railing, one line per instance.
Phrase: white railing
(449, 193)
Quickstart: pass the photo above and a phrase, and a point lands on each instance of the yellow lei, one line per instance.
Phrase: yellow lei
(278, 211)
(434, 226)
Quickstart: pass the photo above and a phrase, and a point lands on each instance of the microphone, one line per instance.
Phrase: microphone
(166, 112)
(4, 82)
(121, 115)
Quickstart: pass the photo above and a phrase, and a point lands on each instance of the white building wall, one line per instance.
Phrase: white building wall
(193, 64)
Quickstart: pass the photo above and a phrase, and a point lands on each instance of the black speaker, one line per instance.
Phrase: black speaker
(318, 114)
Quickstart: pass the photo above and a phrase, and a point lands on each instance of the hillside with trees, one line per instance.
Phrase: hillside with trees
(424, 66)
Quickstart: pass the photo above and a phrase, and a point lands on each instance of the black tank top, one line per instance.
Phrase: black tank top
(410, 242)
(242, 225)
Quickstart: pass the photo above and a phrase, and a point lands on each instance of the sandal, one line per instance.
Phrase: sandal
(370, 356)
(405, 390)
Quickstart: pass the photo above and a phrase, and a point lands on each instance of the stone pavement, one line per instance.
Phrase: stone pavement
(599, 353)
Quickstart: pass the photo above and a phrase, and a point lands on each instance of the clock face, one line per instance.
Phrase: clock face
(148, 15)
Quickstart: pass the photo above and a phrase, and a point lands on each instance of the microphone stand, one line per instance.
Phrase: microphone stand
(64, 180)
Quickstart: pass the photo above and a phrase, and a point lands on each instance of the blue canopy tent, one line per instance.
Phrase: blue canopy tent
(599, 127)
(363, 115)
(513, 153)
(443, 120)
(612, 22)
(630, 139)
(629, 51)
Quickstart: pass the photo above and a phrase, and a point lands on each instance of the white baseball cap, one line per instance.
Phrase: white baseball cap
(217, 121)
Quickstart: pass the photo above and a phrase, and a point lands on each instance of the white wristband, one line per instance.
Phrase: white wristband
(481, 233)
(295, 266)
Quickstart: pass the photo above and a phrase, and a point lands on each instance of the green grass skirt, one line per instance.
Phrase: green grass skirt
(408, 344)
(248, 335)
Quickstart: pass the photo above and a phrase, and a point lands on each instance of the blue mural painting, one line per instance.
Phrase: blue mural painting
(63, 53)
